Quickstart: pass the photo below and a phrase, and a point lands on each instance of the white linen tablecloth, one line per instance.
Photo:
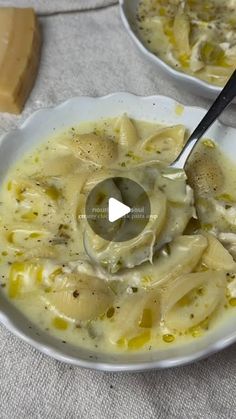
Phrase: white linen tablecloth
(88, 52)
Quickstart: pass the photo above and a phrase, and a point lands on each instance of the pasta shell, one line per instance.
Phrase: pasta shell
(36, 200)
(181, 31)
(95, 149)
(192, 298)
(158, 38)
(128, 136)
(73, 197)
(181, 257)
(184, 254)
(166, 143)
(204, 174)
(81, 298)
(60, 166)
(216, 256)
(137, 312)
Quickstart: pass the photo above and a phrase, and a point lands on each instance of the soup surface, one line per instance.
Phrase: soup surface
(197, 37)
(173, 282)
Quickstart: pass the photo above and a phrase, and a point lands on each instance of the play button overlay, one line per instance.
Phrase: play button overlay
(118, 209)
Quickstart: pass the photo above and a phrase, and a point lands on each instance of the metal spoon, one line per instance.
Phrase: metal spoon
(224, 99)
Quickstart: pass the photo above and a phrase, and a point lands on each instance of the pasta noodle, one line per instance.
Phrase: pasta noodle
(166, 143)
(192, 299)
(128, 137)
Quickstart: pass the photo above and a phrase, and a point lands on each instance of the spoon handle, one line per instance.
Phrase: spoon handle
(225, 97)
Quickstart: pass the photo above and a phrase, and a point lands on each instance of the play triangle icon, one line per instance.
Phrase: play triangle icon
(116, 210)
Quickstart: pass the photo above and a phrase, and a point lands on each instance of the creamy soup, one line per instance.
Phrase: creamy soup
(197, 37)
(168, 285)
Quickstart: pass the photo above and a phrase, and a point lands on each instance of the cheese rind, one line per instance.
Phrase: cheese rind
(19, 56)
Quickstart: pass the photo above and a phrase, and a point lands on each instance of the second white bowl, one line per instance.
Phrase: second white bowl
(128, 10)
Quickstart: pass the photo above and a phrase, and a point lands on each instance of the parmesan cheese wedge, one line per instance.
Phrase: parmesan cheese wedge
(19, 56)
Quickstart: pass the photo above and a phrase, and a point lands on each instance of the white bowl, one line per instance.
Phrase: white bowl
(128, 9)
(38, 128)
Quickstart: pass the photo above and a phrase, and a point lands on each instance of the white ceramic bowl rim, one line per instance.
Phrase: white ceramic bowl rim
(177, 74)
(40, 126)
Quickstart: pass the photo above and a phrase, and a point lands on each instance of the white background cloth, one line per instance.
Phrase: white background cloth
(89, 53)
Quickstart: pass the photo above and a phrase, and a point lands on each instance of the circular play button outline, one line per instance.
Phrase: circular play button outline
(118, 209)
